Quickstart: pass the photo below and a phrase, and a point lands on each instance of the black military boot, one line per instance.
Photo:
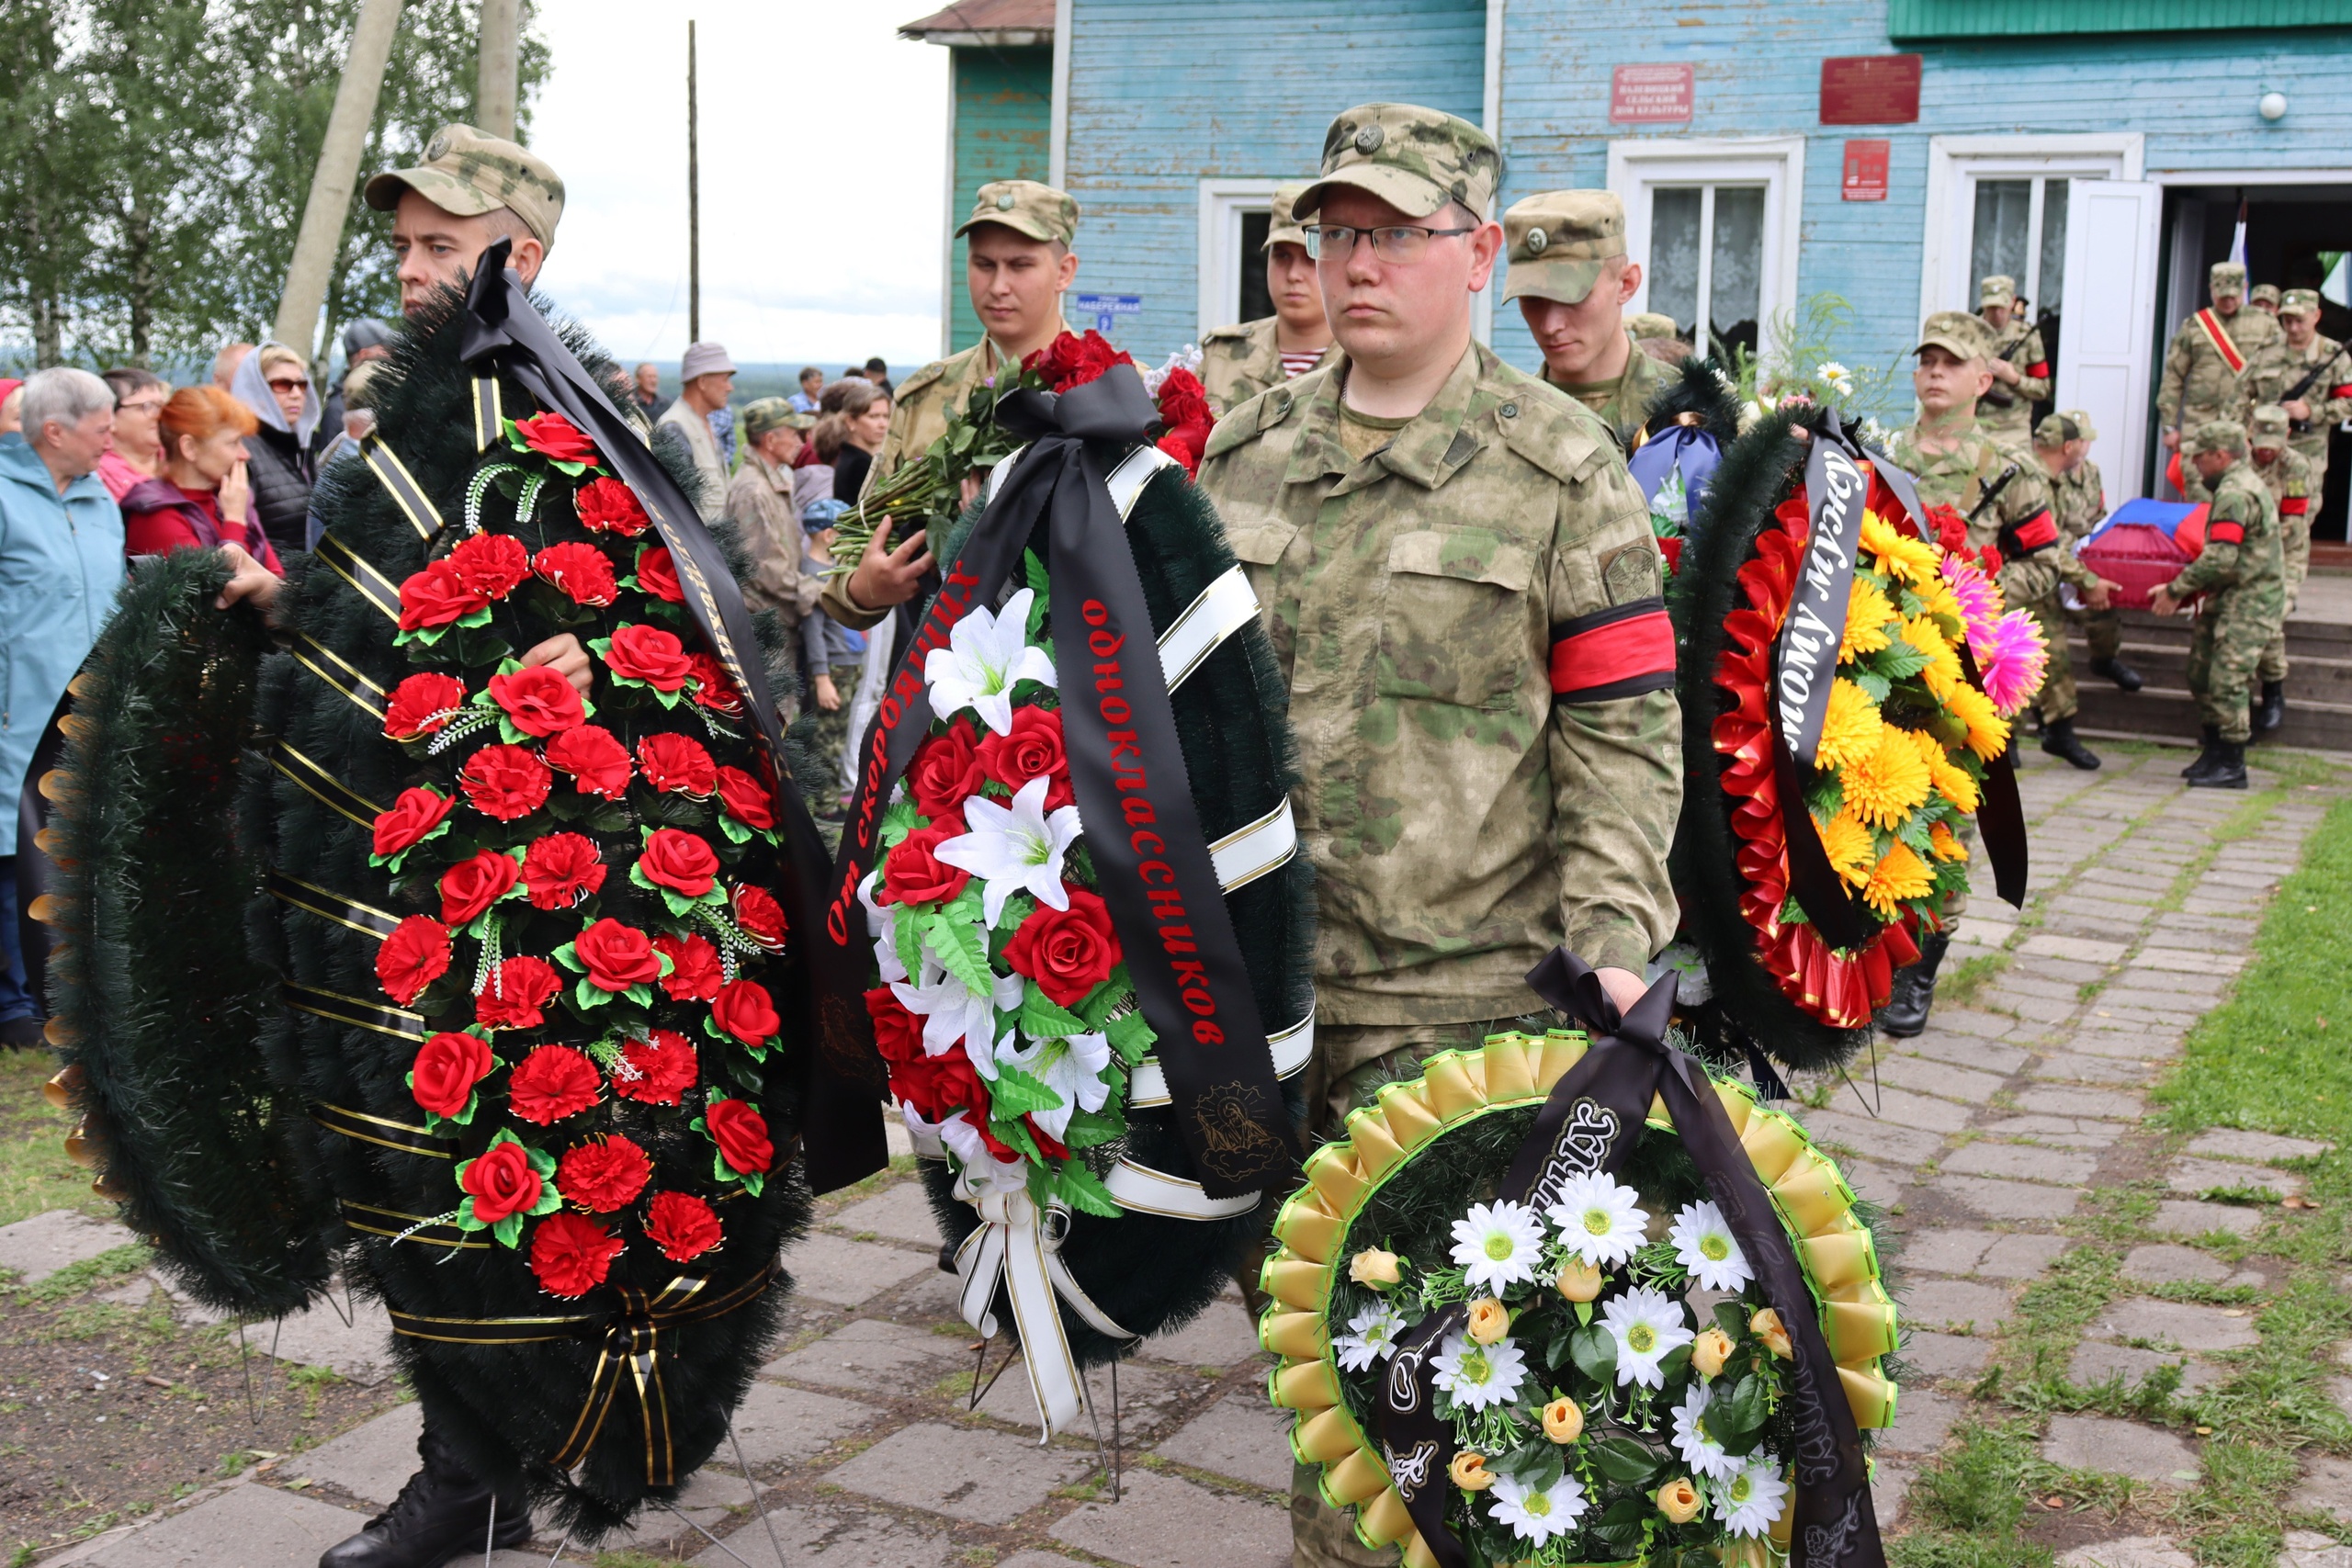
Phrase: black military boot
(442, 1515)
(2058, 738)
(2115, 670)
(2227, 770)
(2212, 735)
(1913, 991)
(2271, 711)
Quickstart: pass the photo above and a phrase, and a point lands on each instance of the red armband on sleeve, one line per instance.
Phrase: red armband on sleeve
(1623, 652)
(2294, 507)
(2038, 369)
(2343, 392)
(2225, 531)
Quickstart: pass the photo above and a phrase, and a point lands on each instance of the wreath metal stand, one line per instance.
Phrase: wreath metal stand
(1110, 1461)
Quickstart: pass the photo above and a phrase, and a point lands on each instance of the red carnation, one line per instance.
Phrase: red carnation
(492, 565)
(657, 573)
(422, 705)
(415, 955)
(745, 798)
(897, 1033)
(552, 1083)
(1068, 951)
(761, 916)
(571, 1254)
(617, 956)
(604, 1174)
(680, 1224)
(502, 1182)
(1951, 528)
(714, 688)
(608, 506)
(517, 991)
(552, 436)
(414, 817)
(598, 764)
(447, 1066)
(680, 860)
(581, 570)
(475, 884)
(537, 701)
(651, 654)
(914, 874)
(506, 782)
(742, 1133)
(657, 1070)
(561, 869)
(1032, 750)
(743, 1010)
(945, 770)
(694, 973)
(677, 763)
(437, 596)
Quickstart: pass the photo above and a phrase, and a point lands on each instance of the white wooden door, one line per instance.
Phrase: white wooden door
(2106, 352)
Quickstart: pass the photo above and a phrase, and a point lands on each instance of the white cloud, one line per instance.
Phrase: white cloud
(822, 149)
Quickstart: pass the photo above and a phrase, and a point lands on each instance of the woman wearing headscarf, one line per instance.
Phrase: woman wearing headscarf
(275, 385)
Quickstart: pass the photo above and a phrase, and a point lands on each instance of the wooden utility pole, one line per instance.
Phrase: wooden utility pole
(321, 236)
(497, 71)
(693, 199)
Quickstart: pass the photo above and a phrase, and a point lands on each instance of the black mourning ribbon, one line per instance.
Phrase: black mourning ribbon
(842, 1078)
(1151, 859)
(1592, 1121)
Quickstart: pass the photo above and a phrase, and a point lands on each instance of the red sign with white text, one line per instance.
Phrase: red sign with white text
(1870, 89)
(1865, 176)
(1649, 95)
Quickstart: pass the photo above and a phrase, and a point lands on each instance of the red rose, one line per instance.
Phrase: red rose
(658, 574)
(680, 860)
(598, 764)
(1184, 419)
(761, 916)
(505, 782)
(651, 654)
(1068, 951)
(745, 798)
(561, 869)
(1047, 1144)
(492, 565)
(742, 1133)
(658, 1069)
(447, 1066)
(940, 1086)
(1032, 750)
(680, 1224)
(552, 1083)
(415, 955)
(475, 884)
(1671, 548)
(677, 763)
(572, 1255)
(422, 705)
(694, 973)
(714, 688)
(537, 701)
(581, 570)
(554, 436)
(604, 1174)
(608, 506)
(500, 1181)
(914, 874)
(944, 769)
(414, 817)
(517, 990)
(897, 1033)
(617, 956)
(743, 1011)
(437, 596)
(1071, 360)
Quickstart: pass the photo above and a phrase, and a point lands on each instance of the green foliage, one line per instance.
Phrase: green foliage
(1801, 354)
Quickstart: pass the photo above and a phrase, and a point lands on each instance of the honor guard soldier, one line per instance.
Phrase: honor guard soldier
(2294, 490)
(1458, 575)
(2205, 364)
(2266, 297)
(2242, 575)
(2079, 501)
(2020, 364)
(1238, 363)
(1571, 276)
(2307, 374)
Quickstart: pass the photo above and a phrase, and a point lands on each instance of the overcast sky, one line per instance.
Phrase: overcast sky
(823, 152)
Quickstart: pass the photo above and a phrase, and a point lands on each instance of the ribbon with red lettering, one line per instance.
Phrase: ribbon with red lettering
(1151, 858)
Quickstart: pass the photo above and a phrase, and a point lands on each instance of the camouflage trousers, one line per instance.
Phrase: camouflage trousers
(2295, 539)
(2103, 629)
(2056, 700)
(2233, 626)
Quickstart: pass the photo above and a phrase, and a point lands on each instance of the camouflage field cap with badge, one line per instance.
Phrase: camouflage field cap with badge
(1282, 219)
(2057, 429)
(1650, 325)
(1560, 242)
(2215, 436)
(2265, 294)
(2086, 430)
(469, 172)
(1415, 159)
(2268, 427)
(2298, 302)
(2228, 279)
(1038, 211)
(1956, 333)
(1996, 289)
(764, 414)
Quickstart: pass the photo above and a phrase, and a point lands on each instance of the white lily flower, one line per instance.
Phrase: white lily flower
(1014, 848)
(1071, 1068)
(922, 1133)
(1537, 1513)
(982, 1166)
(1703, 1243)
(1478, 1375)
(882, 920)
(986, 653)
(1647, 1324)
(951, 1013)
(1750, 1502)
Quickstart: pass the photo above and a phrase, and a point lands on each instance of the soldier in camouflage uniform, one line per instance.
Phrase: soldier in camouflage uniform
(2265, 298)
(2294, 490)
(1465, 598)
(2243, 576)
(2079, 501)
(2314, 366)
(472, 190)
(1571, 277)
(1238, 363)
(2020, 364)
(2200, 383)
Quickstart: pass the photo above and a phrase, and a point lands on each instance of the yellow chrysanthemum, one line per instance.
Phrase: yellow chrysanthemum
(1850, 731)
(1952, 782)
(1988, 732)
(1936, 598)
(1899, 875)
(1945, 844)
(1942, 672)
(1899, 555)
(1849, 846)
(1868, 614)
(1885, 787)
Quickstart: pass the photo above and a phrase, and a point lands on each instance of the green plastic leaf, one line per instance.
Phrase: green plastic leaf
(1874, 686)
(1621, 1459)
(570, 958)
(1082, 1189)
(1731, 1317)
(1043, 1018)
(1089, 1128)
(1130, 1034)
(587, 996)
(1015, 1093)
(1898, 659)
(910, 942)
(1594, 1351)
(898, 819)
(962, 950)
(509, 1231)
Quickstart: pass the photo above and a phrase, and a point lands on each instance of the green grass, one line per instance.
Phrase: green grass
(35, 1175)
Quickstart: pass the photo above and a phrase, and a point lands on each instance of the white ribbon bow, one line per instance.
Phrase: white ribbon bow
(1014, 1248)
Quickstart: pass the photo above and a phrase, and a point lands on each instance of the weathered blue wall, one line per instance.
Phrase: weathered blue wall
(1003, 129)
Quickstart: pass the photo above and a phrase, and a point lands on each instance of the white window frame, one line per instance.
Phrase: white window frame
(1223, 205)
(1638, 166)
(1955, 163)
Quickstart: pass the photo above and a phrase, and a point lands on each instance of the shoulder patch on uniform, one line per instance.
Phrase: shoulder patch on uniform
(1552, 430)
(924, 376)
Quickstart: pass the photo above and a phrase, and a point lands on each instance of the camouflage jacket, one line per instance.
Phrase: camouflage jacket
(1238, 363)
(2269, 378)
(2007, 412)
(759, 502)
(1623, 404)
(2079, 499)
(2197, 382)
(2241, 553)
(1461, 820)
(1957, 478)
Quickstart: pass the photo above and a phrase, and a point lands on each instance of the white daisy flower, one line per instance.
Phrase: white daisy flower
(1703, 1243)
(1499, 1244)
(985, 654)
(1600, 1220)
(1750, 1501)
(1647, 1325)
(1537, 1513)
(1014, 848)
(1371, 1336)
(1479, 1375)
(1701, 1452)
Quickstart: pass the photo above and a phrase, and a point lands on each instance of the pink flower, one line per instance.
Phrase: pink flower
(1980, 602)
(2012, 660)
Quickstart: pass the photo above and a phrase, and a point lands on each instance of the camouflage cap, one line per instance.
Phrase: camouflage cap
(469, 172)
(2269, 426)
(1281, 227)
(2298, 302)
(1560, 240)
(2081, 423)
(764, 414)
(2265, 294)
(1414, 159)
(1647, 324)
(2215, 436)
(1996, 289)
(2228, 278)
(2056, 430)
(1039, 211)
(1957, 332)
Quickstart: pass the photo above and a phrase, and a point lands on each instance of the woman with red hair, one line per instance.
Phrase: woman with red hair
(202, 499)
